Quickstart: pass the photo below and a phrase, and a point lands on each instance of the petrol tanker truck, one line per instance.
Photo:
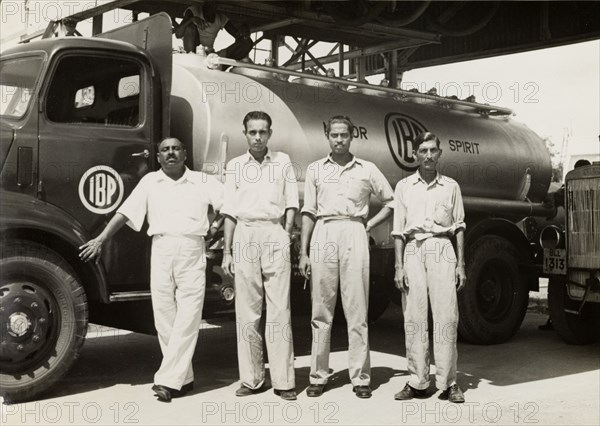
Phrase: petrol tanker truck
(80, 121)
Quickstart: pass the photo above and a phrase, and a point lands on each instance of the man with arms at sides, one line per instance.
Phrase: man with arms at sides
(428, 212)
(175, 201)
(260, 190)
(337, 192)
(201, 25)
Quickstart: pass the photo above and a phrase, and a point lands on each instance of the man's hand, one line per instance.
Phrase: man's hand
(461, 277)
(91, 249)
(304, 266)
(400, 279)
(227, 265)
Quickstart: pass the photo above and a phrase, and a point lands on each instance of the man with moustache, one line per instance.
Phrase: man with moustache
(261, 191)
(429, 211)
(175, 201)
(337, 192)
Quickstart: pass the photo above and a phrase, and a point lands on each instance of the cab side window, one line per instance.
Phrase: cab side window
(95, 90)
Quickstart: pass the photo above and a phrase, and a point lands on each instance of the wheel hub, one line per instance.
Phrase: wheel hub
(489, 290)
(18, 324)
(26, 315)
(495, 291)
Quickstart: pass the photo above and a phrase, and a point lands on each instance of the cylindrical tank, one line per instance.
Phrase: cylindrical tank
(492, 157)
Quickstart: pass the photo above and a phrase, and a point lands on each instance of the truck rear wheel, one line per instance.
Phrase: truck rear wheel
(572, 328)
(43, 319)
(493, 303)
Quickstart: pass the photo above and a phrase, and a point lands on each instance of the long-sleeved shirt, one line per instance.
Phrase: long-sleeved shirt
(260, 191)
(331, 190)
(173, 207)
(423, 210)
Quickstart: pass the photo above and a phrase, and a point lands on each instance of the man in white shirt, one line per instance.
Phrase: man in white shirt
(201, 25)
(260, 191)
(428, 211)
(337, 193)
(175, 201)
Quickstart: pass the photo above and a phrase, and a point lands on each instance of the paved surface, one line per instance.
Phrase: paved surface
(533, 379)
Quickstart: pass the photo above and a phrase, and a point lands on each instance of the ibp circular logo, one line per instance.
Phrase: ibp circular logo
(400, 131)
(101, 189)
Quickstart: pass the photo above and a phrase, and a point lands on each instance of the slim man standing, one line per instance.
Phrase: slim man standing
(337, 192)
(428, 211)
(260, 191)
(176, 200)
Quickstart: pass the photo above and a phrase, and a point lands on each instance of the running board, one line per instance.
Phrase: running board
(129, 296)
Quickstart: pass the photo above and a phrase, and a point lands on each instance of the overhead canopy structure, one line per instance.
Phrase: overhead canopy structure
(393, 36)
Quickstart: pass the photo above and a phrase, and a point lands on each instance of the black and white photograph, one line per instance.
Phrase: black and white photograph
(362, 212)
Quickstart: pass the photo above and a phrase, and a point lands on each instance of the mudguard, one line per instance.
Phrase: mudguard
(23, 212)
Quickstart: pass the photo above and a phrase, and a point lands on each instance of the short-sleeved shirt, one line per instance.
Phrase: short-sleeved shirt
(207, 31)
(173, 207)
(260, 191)
(424, 210)
(332, 190)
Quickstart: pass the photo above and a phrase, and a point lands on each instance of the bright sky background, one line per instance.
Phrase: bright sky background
(555, 91)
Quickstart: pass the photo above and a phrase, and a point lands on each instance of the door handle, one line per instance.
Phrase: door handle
(145, 153)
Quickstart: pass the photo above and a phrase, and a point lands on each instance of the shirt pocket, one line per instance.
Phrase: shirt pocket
(275, 190)
(357, 189)
(442, 214)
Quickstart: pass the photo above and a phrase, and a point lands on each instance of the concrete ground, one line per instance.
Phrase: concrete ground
(533, 379)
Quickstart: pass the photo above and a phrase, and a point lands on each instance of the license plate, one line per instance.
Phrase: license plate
(555, 261)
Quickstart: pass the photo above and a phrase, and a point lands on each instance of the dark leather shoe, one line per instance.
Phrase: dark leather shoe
(288, 395)
(363, 391)
(246, 391)
(183, 391)
(162, 392)
(454, 394)
(315, 390)
(409, 393)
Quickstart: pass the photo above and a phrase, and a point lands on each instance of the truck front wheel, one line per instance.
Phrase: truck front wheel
(493, 303)
(572, 328)
(43, 319)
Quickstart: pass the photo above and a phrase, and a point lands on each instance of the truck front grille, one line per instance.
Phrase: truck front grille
(583, 224)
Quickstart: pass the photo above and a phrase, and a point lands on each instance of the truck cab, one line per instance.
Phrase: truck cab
(79, 121)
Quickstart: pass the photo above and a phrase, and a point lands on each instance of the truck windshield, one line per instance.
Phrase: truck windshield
(17, 81)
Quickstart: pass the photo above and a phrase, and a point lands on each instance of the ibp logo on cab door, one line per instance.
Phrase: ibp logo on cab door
(101, 189)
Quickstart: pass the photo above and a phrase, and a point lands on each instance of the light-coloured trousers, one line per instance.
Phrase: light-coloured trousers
(339, 258)
(261, 256)
(177, 284)
(430, 266)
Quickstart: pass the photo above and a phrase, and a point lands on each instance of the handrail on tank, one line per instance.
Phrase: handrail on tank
(213, 61)
(514, 207)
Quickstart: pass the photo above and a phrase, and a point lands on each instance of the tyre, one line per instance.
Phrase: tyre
(43, 319)
(572, 328)
(494, 300)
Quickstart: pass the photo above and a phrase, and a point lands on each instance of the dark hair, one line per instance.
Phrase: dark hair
(171, 137)
(581, 163)
(424, 137)
(209, 11)
(343, 119)
(257, 115)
